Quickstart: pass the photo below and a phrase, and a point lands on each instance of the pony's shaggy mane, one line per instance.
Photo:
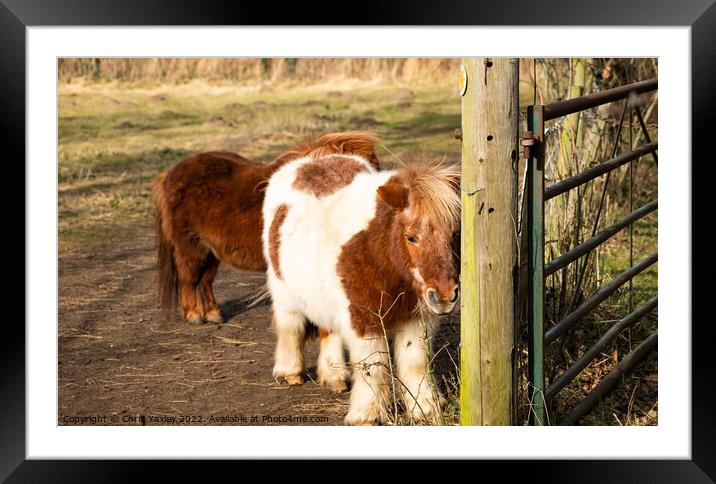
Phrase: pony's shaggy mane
(359, 143)
(434, 193)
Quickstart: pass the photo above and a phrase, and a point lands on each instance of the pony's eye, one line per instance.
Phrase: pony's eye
(411, 239)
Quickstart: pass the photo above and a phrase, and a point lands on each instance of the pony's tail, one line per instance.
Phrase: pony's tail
(261, 295)
(167, 280)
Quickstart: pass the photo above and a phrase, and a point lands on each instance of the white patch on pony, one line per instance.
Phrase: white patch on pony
(417, 275)
(312, 237)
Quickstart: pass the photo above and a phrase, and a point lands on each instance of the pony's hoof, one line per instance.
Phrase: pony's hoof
(336, 384)
(214, 317)
(363, 418)
(294, 379)
(195, 319)
(426, 411)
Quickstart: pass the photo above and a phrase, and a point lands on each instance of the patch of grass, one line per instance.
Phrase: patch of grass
(114, 138)
(79, 235)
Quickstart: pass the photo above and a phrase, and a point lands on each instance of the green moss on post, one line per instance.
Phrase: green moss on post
(490, 113)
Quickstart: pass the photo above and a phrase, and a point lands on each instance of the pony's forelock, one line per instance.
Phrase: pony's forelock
(434, 193)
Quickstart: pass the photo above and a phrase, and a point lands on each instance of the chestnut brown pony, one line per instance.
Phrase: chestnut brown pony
(208, 210)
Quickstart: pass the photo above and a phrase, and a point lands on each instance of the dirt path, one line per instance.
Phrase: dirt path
(120, 361)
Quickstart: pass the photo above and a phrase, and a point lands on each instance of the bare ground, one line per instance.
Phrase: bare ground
(120, 360)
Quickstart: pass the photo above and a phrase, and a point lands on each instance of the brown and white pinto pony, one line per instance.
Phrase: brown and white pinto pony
(364, 255)
(208, 211)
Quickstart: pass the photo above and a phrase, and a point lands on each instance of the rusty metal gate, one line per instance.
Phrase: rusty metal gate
(541, 393)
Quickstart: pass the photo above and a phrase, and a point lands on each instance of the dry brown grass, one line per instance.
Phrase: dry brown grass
(176, 70)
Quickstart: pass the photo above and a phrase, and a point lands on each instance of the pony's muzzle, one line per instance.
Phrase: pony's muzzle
(441, 305)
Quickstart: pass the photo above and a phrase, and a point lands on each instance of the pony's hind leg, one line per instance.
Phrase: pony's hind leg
(209, 270)
(291, 335)
(332, 370)
(369, 395)
(189, 261)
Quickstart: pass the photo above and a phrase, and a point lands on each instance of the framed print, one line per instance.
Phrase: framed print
(247, 241)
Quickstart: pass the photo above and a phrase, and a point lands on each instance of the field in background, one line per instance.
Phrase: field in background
(122, 121)
(114, 138)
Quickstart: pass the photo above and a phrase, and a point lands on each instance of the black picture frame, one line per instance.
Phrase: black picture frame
(16, 15)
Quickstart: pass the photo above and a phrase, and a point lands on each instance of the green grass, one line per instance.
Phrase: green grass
(113, 138)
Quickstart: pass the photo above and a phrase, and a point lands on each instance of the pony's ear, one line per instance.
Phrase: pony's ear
(394, 194)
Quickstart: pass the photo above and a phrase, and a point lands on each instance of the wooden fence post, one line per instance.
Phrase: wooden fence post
(490, 116)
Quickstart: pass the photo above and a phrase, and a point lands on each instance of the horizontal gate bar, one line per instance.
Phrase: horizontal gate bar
(569, 106)
(602, 168)
(574, 254)
(600, 295)
(594, 351)
(593, 398)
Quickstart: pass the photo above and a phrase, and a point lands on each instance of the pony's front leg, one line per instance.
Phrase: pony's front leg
(419, 392)
(369, 394)
(291, 335)
(332, 371)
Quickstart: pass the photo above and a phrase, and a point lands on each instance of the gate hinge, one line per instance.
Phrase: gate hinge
(527, 141)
